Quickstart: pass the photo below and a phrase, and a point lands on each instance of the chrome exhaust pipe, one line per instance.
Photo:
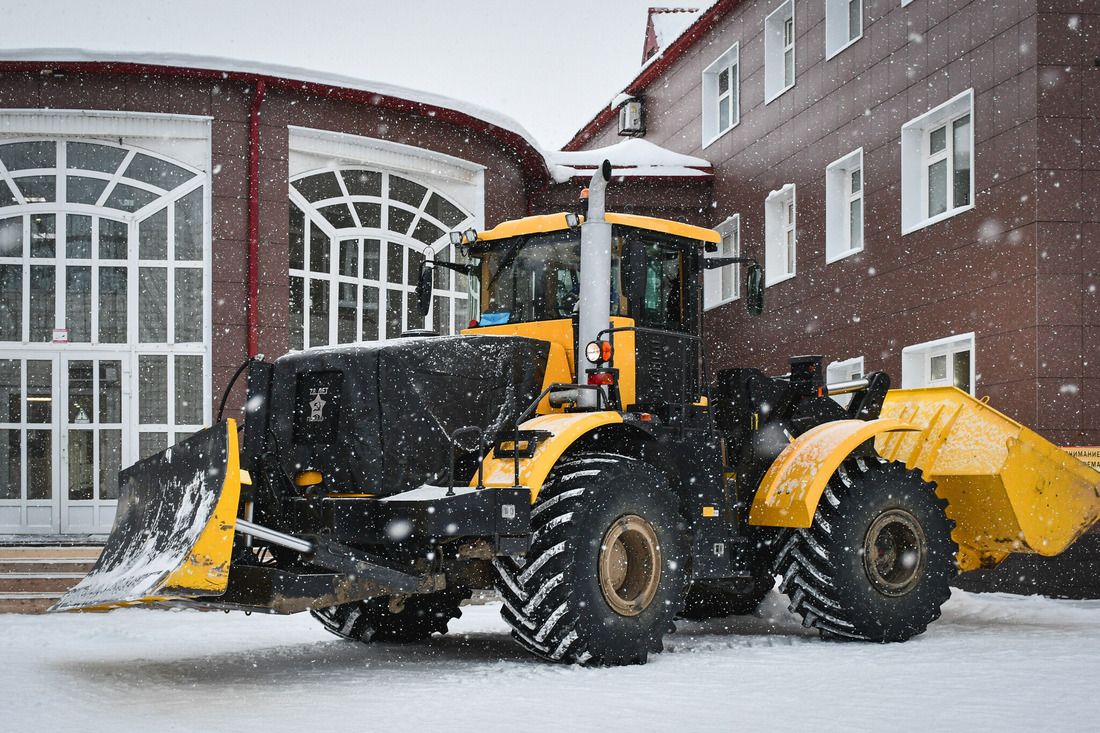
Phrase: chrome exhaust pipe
(595, 298)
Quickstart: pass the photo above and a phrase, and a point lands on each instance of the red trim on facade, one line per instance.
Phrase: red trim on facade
(254, 221)
(530, 158)
(646, 178)
(650, 73)
(584, 173)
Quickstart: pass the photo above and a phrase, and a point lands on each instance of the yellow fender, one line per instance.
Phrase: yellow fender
(792, 487)
(564, 430)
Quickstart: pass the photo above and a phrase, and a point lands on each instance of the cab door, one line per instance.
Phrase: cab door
(668, 347)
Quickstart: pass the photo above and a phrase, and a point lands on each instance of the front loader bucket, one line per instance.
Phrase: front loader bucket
(173, 533)
(1008, 489)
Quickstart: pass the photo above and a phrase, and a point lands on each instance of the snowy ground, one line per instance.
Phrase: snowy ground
(991, 662)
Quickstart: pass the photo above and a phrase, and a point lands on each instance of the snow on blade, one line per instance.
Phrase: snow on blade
(136, 569)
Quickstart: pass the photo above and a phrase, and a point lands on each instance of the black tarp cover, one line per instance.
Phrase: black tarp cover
(376, 418)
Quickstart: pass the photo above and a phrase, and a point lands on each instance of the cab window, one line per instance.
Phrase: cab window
(653, 283)
(534, 278)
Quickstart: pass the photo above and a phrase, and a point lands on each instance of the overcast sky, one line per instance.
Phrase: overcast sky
(550, 64)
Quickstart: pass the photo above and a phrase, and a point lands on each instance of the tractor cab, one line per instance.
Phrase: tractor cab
(525, 277)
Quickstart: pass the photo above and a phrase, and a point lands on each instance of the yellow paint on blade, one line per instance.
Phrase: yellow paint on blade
(1089, 455)
(206, 570)
(1008, 489)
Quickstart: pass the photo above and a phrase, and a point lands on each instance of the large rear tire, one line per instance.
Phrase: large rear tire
(381, 620)
(604, 576)
(877, 562)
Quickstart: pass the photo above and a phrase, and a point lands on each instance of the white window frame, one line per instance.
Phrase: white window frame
(916, 159)
(184, 141)
(780, 235)
(713, 97)
(840, 15)
(460, 181)
(389, 294)
(840, 200)
(716, 283)
(844, 370)
(779, 58)
(917, 362)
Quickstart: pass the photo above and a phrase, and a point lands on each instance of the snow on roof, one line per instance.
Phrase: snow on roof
(633, 158)
(670, 23)
(241, 66)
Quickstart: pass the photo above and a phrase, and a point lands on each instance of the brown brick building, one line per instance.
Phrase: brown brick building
(916, 175)
(159, 225)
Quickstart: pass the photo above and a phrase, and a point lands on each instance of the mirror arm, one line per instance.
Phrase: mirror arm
(464, 267)
(713, 263)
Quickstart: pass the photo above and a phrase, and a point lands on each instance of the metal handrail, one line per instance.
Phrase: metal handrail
(705, 382)
(480, 456)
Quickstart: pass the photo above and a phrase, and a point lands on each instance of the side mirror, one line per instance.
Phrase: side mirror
(424, 288)
(754, 289)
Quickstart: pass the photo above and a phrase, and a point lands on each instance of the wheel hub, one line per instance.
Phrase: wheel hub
(895, 553)
(630, 565)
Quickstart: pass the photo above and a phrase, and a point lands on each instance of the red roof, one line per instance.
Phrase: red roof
(650, 73)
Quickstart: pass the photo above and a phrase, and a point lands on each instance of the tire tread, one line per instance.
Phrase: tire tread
(808, 562)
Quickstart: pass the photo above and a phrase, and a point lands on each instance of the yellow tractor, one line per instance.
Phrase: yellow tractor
(571, 450)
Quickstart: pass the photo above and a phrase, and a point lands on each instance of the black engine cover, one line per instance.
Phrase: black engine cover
(376, 418)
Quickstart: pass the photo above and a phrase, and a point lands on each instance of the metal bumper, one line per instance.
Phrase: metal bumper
(412, 518)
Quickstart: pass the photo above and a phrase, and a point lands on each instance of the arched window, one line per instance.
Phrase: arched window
(357, 240)
(103, 322)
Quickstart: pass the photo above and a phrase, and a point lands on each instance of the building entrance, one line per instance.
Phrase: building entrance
(62, 441)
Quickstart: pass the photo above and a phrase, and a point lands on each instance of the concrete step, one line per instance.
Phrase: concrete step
(47, 566)
(89, 553)
(27, 603)
(32, 578)
(33, 583)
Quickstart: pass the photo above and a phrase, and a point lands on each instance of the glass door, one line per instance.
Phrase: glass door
(92, 439)
(62, 441)
(29, 453)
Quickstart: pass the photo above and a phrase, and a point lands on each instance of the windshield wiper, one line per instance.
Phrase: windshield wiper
(506, 260)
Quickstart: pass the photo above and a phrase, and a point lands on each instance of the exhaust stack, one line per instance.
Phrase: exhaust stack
(595, 288)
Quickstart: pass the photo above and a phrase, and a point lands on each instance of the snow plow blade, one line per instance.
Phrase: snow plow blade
(1008, 489)
(173, 534)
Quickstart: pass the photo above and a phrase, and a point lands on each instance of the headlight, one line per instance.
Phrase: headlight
(598, 352)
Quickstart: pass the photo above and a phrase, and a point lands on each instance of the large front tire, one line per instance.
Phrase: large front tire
(604, 576)
(877, 562)
(383, 620)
